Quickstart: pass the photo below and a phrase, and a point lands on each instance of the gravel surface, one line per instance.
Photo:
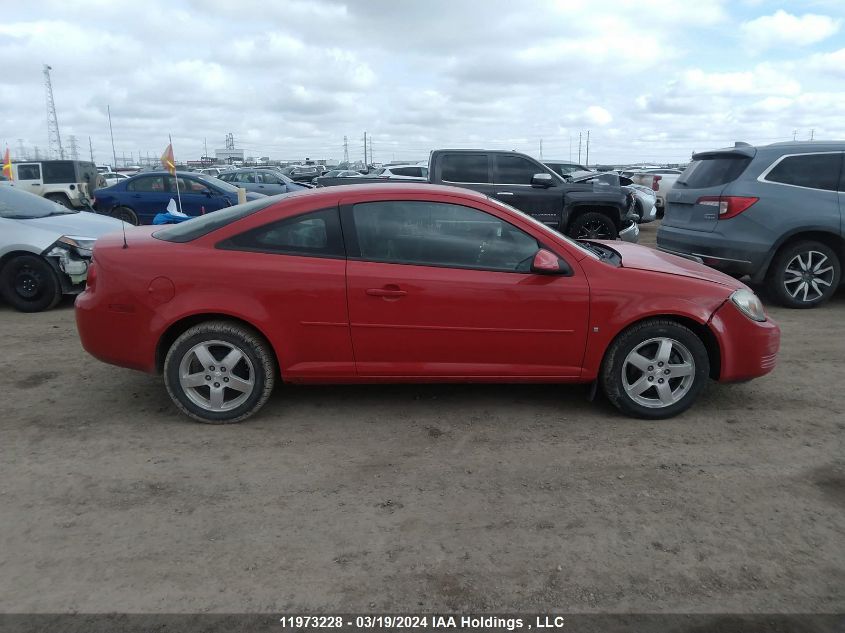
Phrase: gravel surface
(407, 498)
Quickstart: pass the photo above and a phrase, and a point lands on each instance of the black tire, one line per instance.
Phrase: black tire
(789, 288)
(60, 198)
(594, 226)
(29, 284)
(683, 389)
(258, 361)
(126, 214)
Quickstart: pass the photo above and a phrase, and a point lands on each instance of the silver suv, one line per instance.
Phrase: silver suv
(773, 212)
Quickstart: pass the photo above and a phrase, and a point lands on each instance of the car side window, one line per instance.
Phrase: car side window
(515, 170)
(816, 171)
(316, 234)
(194, 186)
(148, 183)
(29, 172)
(464, 168)
(246, 176)
(440, 234)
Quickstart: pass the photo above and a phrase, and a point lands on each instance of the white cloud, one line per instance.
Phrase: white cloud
(598, 115)
(782, 28)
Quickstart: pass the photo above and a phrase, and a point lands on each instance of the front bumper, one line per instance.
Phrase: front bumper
(630, 233)
(748, 348)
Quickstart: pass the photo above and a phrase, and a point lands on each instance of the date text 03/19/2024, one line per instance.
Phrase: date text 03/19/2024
(425, 622)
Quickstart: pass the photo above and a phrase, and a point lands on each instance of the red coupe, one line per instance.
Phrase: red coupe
(410, 283)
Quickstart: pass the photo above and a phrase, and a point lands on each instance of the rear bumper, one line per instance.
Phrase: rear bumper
(714, 249)
(749, 349)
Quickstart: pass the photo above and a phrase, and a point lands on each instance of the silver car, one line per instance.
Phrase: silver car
(45, 249)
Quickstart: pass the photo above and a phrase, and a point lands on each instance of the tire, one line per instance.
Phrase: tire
(804, 274)
(594, 226)
(255, 371)
(126, 214)
(29, 284)
(60, 198)
(635, 356)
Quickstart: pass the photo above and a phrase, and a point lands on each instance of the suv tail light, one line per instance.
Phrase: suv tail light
(729, 206)
(655, 183)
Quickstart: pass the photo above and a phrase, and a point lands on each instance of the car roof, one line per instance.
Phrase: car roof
(412, 187)
(808, 146)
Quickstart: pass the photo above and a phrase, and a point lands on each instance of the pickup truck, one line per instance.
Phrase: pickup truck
(580, 210)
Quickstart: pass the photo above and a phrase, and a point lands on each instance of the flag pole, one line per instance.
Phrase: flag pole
(175, 176)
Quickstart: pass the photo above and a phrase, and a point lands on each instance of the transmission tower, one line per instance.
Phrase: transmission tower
(21, 153)
(345, 150)
(74, 150)
(54, 139)
(230, 141)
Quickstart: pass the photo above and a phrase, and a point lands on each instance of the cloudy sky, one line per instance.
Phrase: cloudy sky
(652, 80)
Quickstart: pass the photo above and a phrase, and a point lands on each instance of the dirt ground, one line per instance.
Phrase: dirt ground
(406, 498)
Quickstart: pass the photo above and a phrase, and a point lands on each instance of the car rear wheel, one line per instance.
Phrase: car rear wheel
(655, 369)
(219, 372)
(593, 226)
(29, 284)
(804, 275)
(126, 214)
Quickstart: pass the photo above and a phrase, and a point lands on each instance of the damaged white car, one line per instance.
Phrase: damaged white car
(45, 249)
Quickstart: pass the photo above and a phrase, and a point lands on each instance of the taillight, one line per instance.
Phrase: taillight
(729, 206)
(655, 183)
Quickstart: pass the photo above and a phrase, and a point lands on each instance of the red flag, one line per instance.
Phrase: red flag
(7, 165)
(167, 160)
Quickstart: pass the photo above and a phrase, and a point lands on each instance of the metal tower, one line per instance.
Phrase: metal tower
(54, 139)
(346, 150)
(230, 141)
(74, 150)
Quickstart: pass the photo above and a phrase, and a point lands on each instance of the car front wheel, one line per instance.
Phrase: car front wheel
(593, 226)
(219, 372)
(30, 284)
(804, 275)
(655, 369)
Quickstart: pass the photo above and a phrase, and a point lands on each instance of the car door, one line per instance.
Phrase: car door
(512, 177)
(29, 177)
(444, 291)
(198, 198)
(147, 196)
(467, 169)
(268, 184)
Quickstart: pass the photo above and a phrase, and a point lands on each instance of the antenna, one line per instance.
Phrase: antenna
(54, 139)
(123, 226)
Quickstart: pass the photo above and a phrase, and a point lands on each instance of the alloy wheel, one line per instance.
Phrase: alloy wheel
(658, 372)
(594, 230)
(216, 375)
(807, 276)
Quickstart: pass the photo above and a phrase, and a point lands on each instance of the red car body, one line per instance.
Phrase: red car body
(346, 320)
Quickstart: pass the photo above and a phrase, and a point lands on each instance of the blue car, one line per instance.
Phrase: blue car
(139, 199)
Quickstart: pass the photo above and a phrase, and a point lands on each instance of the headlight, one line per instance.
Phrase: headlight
(84, 246)
(749, 304)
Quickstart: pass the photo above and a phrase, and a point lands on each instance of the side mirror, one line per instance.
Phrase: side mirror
(547, 263)
(542, 180)
(206, 192)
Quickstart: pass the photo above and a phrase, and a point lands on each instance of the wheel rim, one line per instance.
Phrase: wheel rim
(594, 230)
(658, 372)
(28, 283)
(216, 376)
(807, 276)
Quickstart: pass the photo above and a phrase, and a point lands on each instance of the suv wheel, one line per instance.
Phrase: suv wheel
(219, 372)
(804, 275)
(593, 226)
(29, 284)
(655, 369)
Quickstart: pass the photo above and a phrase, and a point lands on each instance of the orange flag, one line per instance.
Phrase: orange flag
(7, 165)
(168, 161)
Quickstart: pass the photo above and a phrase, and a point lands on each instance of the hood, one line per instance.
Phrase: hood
(82, 224)
(644, 258)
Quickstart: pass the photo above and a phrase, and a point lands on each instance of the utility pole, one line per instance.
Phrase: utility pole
(91, 149)
(794, 134)
(588, 148)
(371, 150)
(812, 133)
(54, 139)
(541, 149)
(74, 149)
(36, 152)
(365, 150)
(570, 148)
(111, 132)
(346, 150)
(579, 148)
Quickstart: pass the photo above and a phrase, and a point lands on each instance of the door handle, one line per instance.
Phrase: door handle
(389, 293)
(504, 193)
(35, 184)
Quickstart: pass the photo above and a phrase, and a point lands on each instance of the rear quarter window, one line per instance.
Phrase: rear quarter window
(815, 171)
(713, 172)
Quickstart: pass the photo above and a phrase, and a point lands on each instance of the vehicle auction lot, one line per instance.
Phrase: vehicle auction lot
(415, 498)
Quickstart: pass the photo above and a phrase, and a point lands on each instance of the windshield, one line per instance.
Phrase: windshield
(21, 205)
(535, 222)
(216, 183)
